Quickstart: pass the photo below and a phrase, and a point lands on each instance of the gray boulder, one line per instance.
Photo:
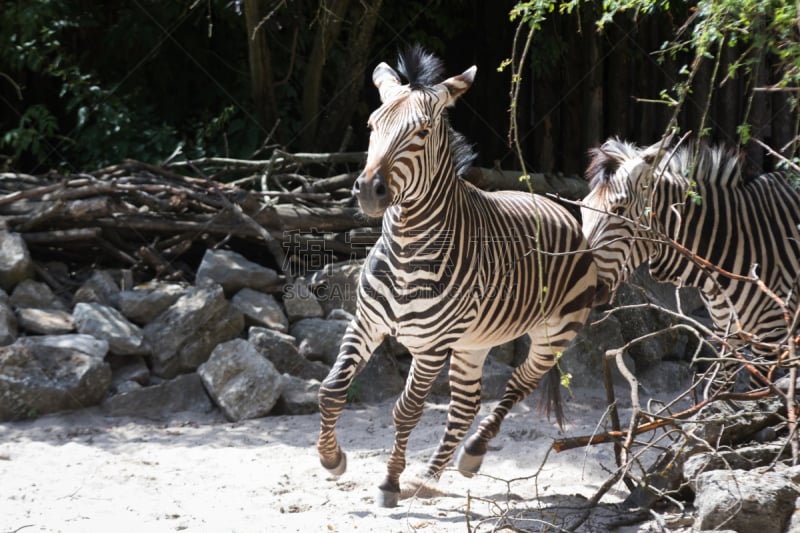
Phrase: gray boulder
(336, 286)
(37, 295)
(15, 260)
(280, 349)
(104, 322)
(380, 380)
(87, 344)
(184, 393)
(127, 369)
(183, 336)
(44, 321)
(299, 302)
(744, 500)
(40, 377)
(241, 381)
(8, 321)
(583, 358)
(300, 397)
(318, 339)
(101, 287)
(261, 309)
(143, 304)
(235, 272)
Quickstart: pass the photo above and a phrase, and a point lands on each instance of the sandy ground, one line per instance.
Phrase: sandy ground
(84, 471)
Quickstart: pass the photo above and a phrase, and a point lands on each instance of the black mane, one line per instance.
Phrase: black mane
(606, 160)
(423, 69)
(419, 67)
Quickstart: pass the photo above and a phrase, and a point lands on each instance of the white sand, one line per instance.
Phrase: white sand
(84, 472)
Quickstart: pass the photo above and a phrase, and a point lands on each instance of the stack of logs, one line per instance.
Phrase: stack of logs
(157, 220)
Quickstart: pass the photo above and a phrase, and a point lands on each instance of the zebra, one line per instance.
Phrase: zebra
(694, 215)
(455, 272)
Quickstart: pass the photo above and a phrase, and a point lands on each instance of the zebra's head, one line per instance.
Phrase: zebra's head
(408, 131)
(615, 211)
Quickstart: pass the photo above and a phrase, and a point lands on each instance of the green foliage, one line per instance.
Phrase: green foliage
(105, 82)
(753, 29)
(36, 127)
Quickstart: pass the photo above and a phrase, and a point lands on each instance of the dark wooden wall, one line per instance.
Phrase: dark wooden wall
(582, 87)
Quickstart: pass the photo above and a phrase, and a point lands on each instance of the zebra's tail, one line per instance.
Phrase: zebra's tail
(550, 396)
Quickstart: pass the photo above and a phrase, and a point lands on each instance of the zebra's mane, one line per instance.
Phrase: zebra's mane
(606, 160)
(701, 162)
(706, 164)
(422, 69)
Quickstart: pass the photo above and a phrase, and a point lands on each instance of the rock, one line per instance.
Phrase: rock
(183, 336)
(280, 349)
(300, 397)
(504, 353)
(15, 260)
(143, 304)
(36, 295)
(104, 322)
(38, 378)
(744, 500)
(583, 358)
(300, 303)
(234, 272)
(318, 339)
(241, 381)
(336, 286)
(380, 379)
(87, 344)
(667, 377)
(340, 314)
(261, 309)
(184, 393)
(126, 369)
(8, 321)
(744, 458)
(44, 321)
(99, 288)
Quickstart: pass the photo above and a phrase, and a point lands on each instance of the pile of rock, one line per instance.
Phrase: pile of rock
(239, 338)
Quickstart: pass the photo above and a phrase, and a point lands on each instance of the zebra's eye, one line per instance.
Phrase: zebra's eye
(618, 210)
(423, 133)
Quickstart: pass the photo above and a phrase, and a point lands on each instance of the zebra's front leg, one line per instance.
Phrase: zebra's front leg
(358, 343)
(466, 369)
(407, 412)
(523, 380)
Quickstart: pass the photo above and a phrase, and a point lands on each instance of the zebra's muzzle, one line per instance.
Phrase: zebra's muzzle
(372, 193)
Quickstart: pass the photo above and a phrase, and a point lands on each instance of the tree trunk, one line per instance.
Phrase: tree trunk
(350, 84)
(330, 16)
(261, 77)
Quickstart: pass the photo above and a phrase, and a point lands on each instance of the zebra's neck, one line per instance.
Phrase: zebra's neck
(434, 214)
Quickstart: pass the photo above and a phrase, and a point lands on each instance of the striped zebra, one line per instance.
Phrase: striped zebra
(455, 272)
(742, 225)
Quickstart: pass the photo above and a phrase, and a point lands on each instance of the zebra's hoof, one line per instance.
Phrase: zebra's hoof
(387, 498)
(467, 464)
(338, 469)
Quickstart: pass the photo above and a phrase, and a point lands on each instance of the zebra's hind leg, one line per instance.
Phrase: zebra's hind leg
(465, 399)
(358, 344)
(523, 380)
(406, 414)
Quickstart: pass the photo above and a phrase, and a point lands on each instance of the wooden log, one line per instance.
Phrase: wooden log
(492, 179)
(59, 236)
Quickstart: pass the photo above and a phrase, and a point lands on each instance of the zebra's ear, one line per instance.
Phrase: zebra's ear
(655, 152)
(385, 79)
(458, 85)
